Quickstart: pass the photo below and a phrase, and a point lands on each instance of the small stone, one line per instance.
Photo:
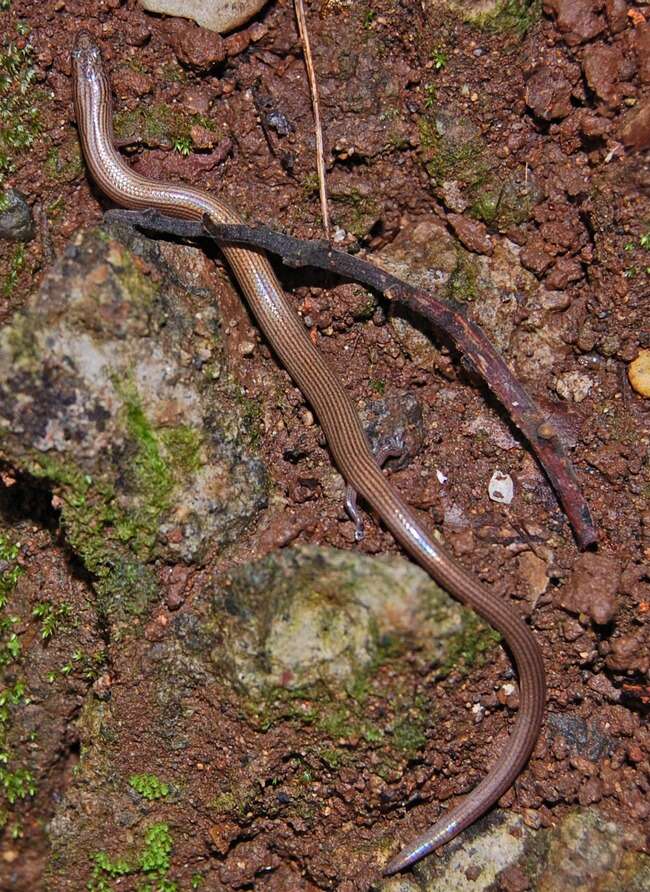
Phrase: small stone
(138, 32)
(471, 233)
(594, 126)
(16, 222)
(639, 373)
(196, 47)
(630, 653)
(573, 386)
(501, 488)
(576, 19)
(222, 835)
(237, 43)
(602, 66)
(197, 101)
(534, 258)
(616, 11)
(642, 50)
(592, 588)
(219, 15)
(548, 93)
(452, 194)
(554, 300)
(590, 792)
(129, 82)
(532, 570)
(565, 271)
(634, 131)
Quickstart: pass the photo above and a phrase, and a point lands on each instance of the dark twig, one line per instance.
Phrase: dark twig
(467, 337)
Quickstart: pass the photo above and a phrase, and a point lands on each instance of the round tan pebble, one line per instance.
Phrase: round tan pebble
(639, 373)
(215, 15)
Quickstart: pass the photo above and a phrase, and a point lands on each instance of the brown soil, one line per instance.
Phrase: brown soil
(567, 102)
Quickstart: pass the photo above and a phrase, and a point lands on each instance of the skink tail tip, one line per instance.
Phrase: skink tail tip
(404, 859)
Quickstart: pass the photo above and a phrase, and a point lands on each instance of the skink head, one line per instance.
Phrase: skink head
(86, 57)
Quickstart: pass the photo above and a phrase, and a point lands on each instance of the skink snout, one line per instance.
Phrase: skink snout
(85, 52)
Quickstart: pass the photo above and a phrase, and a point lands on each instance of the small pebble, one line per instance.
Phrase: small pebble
(16, 221)
(501, 488)
(219, 15)
(639, 373)
(573, 386)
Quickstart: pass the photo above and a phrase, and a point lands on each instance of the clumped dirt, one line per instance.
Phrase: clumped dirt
(549, 116)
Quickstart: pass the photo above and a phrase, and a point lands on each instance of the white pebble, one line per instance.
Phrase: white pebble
(501, 488)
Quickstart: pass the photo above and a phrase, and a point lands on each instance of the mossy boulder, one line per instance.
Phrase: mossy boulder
(110, 390)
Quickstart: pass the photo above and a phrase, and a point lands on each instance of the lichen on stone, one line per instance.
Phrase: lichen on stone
(100, 396)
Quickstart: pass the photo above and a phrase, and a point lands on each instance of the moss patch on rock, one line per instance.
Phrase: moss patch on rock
(99, 397)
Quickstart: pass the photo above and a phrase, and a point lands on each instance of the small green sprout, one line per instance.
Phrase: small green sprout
(12, 649)
(183, 145)
(429, 95)
(149, 786)
(51, 617)
(158, 847)
(439, 59)
(18, 784)
(644, 241)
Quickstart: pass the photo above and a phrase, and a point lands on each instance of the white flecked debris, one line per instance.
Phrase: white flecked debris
(501, 488)
(573, 386)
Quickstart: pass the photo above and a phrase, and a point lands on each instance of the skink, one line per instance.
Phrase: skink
(345, 437)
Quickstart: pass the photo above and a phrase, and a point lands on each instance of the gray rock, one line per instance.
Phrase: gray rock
(16, 222)
(583, 852)
(316, 615)
(110, 389)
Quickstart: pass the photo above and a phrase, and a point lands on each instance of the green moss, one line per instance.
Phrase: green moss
(151, 865)
(16, 781)
(462, 283)
(149, 786)
(158, 847)
(509, 17)
(20, 119)
(95, 525)
(251, 418)
(52, 616)
(152, 474)
(504, 202)
(183, 447)
(173, 73)
(471, 646)
(225, 803)
(452, 150)
(161, 125)
(337, 723)
(310, 185)
(354, 212)
(64, 169)
(366, 306)
(409, 737)
(16, 265)
(333, 758)
(11, 569)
